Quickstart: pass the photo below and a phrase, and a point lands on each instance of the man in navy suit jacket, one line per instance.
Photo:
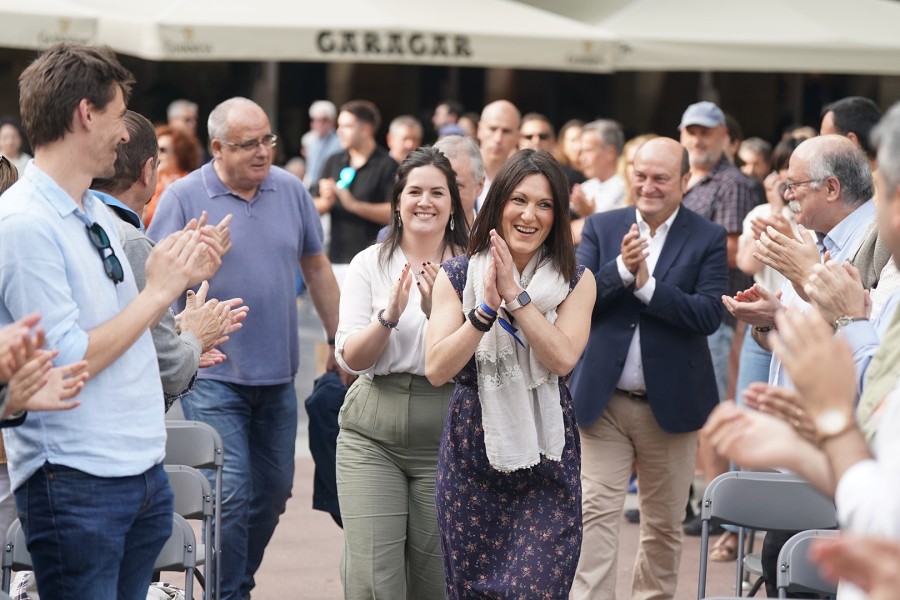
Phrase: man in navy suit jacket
(645, 383)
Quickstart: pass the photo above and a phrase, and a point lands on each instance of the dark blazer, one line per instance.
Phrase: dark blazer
(691, 277)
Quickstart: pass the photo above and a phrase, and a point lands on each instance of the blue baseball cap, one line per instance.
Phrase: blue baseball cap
(705, 114)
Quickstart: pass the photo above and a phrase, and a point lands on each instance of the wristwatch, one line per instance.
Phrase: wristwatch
(845, 320)
(519, 301)
(832, 423)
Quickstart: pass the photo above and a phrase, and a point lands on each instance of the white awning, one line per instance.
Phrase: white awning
(38, 24)
(483, 33)
(827, 36)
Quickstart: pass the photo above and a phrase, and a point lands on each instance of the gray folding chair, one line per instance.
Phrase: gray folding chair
(762, 501)
(15, 554)
(179, 554)
(796, 573)
(198, 445)
(193, 501)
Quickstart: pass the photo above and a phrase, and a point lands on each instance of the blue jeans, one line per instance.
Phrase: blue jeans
(754, 365)
(258, 425)
(720, 349)
(94, 537)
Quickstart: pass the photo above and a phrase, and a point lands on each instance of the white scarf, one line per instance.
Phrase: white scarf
(520, 405)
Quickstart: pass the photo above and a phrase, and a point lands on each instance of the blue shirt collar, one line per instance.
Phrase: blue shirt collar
(841, 235)
(130, 216)
(216, 187)
(56, 197)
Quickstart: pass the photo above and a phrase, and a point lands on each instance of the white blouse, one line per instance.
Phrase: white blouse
(366, 290)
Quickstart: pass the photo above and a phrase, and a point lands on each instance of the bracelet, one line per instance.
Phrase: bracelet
(487, 310)
(764, 329)
(385, 322)
(331, 341)
(478, 323)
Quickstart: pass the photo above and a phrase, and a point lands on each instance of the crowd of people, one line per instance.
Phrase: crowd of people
(519, 326)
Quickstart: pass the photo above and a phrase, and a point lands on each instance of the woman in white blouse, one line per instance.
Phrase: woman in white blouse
(392, 418)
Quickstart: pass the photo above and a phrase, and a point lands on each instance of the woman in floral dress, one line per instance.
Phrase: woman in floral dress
(509, 322)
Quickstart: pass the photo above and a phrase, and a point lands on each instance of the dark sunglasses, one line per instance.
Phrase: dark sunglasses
(111, 263)
(543, 136)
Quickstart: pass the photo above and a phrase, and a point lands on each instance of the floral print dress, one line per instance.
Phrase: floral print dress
(505, 534)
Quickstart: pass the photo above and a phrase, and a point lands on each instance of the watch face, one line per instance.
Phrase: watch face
(524, 298)
(831, 421)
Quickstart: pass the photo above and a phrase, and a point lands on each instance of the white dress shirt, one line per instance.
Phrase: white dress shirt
(606, 195)
(632, 378)
(366, 290)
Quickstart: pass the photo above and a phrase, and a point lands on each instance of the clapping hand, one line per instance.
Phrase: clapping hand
(507, 285)
(792, 256)
(755, 305)
(819, 364)
(17, 344)
(836, 290)
(425, 282)
(399, 296)
(634, 249)
(39, 386)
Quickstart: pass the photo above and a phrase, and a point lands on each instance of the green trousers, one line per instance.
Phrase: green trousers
(387, 454)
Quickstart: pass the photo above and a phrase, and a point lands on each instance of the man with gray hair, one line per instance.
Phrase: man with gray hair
(601, 144)
(250, 398)
(844, 462)
(321, 141)
(183, 114)
(465, 158)
(404, 135)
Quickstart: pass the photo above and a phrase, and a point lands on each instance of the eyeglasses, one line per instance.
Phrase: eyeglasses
(268, 140)
(111, 263)
(543, 136)
(790, 185)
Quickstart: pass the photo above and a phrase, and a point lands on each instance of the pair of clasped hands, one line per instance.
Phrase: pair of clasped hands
(499, 282)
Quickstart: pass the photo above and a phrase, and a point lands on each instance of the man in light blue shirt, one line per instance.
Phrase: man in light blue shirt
(90, 489)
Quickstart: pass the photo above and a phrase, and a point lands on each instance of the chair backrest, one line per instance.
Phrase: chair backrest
(193, 494)
(15, 554)
(198, 445)
(193, 444)
(796, 573)
(179, 552)
(767, 501)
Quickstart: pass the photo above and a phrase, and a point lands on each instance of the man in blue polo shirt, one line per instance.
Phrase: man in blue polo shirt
(90, 488)
(250, 398)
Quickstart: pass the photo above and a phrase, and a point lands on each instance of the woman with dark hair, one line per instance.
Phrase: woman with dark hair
(508, 482)
(392, 417)
(179, 154)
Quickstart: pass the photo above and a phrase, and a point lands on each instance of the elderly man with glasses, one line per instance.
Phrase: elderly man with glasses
(250, 398)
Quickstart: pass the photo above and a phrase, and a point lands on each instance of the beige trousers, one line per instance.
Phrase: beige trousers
(627, 430)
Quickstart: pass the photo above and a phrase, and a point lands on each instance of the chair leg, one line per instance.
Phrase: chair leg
(739, 585)
(757, 584)
(704, 555)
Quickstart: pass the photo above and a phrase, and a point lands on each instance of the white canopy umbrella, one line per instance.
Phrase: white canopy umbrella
(835, 36)
(492, 33)
(38, 24)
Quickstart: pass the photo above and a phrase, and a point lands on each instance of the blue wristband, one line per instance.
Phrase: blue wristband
(488, 310)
